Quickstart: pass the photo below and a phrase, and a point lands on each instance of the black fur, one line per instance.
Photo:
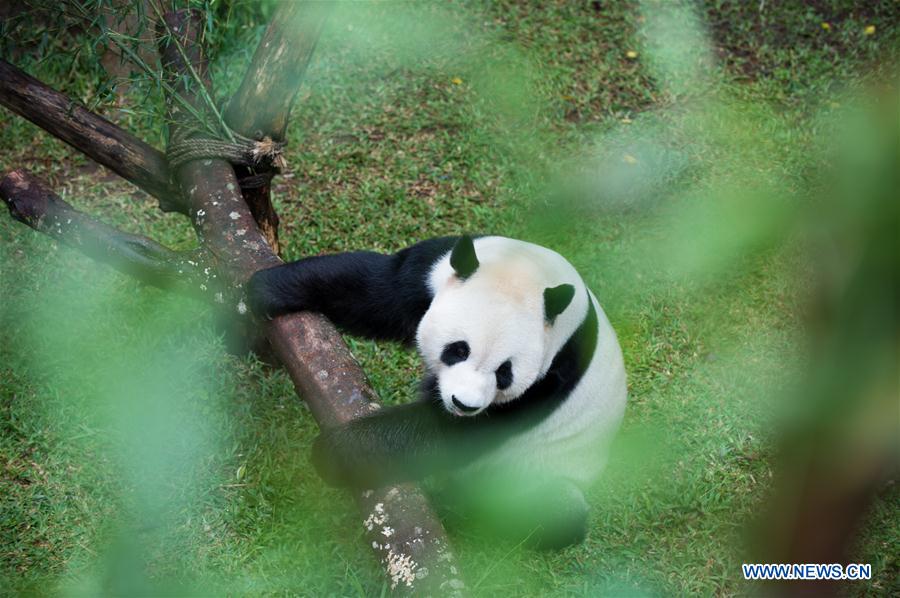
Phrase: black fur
(504, 375)
(455, 353)
(385, 297)
(365, 293)
(411, 441)
(556, 300)
(463, 259)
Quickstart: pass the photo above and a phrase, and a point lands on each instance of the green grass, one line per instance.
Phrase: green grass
(137, 457)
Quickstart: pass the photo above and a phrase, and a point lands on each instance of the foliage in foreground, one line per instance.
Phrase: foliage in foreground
(679, 158)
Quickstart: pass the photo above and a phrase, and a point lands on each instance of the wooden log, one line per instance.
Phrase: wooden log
(96, 137)
(262, 104)
(415, 552)
(259, 200)
(32, 203)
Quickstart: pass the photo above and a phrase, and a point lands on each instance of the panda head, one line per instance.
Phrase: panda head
(488, 334)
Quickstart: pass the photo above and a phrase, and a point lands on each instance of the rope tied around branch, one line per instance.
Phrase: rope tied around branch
(265, 155)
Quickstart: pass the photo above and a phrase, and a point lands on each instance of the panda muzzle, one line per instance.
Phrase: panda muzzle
(463, 407)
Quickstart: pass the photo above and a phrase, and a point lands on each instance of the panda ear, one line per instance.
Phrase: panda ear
(556, 300)
(463, 258)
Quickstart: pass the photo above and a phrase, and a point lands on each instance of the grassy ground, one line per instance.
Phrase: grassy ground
(137, 457)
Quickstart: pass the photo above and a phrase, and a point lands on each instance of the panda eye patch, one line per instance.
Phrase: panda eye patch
(504, 375)
(455, 352)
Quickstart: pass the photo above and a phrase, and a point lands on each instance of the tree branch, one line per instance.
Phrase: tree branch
(96, 137)
(31, 203)
(416, 554)
(261, 107)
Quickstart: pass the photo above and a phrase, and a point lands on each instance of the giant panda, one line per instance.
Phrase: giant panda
(524, 387)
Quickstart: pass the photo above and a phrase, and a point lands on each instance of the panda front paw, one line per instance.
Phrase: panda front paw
(341, 459)
(326, 458)
(260, 297)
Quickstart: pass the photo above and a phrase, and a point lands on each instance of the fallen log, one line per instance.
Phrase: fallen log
(32, 203)
(399, 523)
(415, 551)
(92, 135)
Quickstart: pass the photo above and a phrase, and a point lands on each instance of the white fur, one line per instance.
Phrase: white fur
(499, 312)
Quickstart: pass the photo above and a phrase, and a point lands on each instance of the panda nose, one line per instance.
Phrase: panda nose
(462, 406)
